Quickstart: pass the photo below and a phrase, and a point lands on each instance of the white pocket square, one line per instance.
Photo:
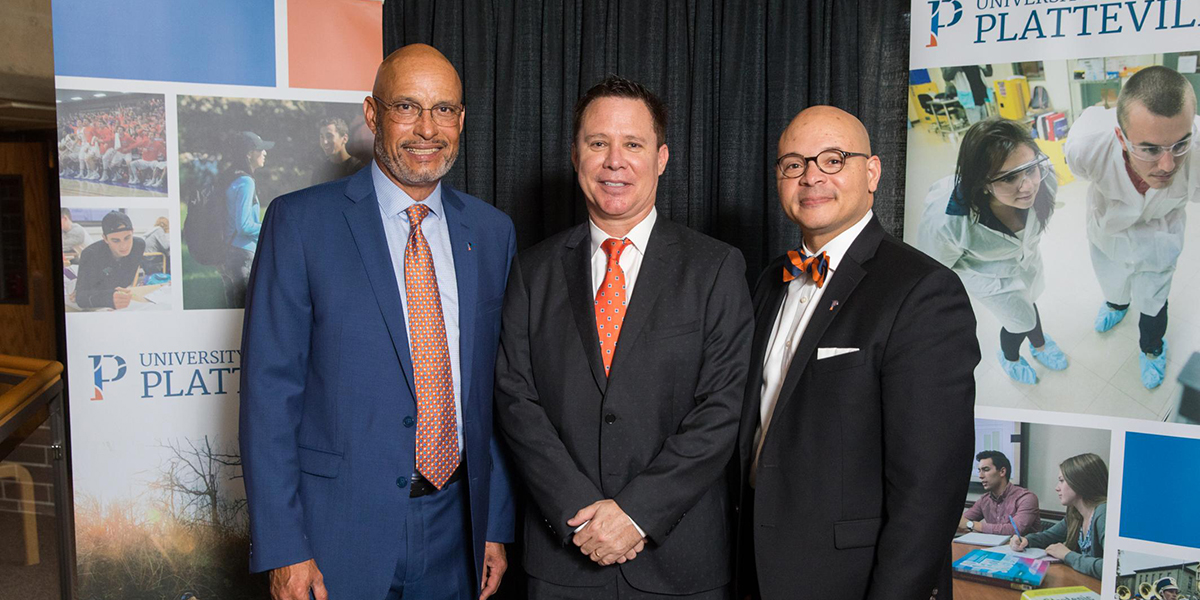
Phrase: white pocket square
(823, 353)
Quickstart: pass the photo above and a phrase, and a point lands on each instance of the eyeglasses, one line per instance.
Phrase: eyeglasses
(1009, 182)
(404, 112)
(830, 162)
(1150, 153)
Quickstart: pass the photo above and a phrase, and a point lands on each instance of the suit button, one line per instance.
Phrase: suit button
(408, 421)
(401, 482)
(610, 418)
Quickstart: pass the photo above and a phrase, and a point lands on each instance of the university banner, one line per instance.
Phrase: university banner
(1053, 158)
(178, 123)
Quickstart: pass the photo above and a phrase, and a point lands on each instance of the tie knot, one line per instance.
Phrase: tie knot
(613, 247)
(416, 214)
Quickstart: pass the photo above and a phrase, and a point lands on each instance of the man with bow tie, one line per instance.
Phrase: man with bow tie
(857, 429)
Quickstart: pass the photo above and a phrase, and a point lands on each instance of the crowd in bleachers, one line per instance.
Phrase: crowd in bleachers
(121, 144)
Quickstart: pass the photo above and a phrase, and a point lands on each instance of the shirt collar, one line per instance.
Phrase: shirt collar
(837, 247)
(639, 235)
(393, 200)
(1006, 492)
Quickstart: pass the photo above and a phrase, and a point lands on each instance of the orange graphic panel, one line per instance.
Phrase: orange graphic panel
(334, 44)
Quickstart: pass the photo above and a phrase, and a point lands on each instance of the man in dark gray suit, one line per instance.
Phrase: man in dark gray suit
(622, 425)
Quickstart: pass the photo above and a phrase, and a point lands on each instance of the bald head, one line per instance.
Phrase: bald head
(825, 174)
(415, 62)
(416, 113)
(828, 122)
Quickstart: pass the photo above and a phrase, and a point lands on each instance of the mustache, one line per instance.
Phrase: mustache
(816, 192)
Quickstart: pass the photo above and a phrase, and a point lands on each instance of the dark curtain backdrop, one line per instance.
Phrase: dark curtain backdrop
(732, 72)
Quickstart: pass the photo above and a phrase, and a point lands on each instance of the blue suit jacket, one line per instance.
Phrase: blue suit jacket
(327, 402)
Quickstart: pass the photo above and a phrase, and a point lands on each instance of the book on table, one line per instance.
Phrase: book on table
(1003, 569)
(1077, 592)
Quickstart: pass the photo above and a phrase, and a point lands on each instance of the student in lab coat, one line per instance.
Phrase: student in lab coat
(985, 222)
(1142, 171)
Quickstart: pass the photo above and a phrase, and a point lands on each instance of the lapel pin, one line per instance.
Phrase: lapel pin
(833, 305)
(468, 246)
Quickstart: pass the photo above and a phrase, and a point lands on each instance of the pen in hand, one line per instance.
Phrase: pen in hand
(1016, 530)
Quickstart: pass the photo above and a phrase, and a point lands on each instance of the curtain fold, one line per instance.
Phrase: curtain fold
(732, 72)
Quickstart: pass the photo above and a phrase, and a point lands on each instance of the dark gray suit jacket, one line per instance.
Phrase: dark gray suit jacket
(865, 467)
(657, 434)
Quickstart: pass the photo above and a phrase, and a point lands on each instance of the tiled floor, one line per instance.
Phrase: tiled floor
(1104, 375)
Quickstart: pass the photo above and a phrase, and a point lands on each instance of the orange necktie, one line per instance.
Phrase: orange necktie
(437, 435)
(610, 301)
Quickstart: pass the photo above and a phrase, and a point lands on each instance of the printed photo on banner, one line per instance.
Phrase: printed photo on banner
(1159, 489)
(1149, 577)
(1058, 191)
(1035, 515)
(235, 156)
(111, 144)
(180, 531)
(116, 259)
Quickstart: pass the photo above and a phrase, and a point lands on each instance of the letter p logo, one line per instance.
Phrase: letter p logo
(98, 372)
(936, 16)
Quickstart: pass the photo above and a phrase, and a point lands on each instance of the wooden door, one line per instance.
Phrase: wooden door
(28, 324)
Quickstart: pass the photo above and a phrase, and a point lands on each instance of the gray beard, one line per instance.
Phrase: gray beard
(400, 170)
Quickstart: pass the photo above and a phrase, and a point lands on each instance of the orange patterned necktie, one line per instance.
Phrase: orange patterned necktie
(610, 301)
(437, 435)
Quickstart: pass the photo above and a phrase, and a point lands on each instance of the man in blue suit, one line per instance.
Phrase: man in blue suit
(372, 322)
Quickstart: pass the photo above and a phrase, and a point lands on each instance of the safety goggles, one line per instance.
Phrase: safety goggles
(1151, 153)
(1009, 183)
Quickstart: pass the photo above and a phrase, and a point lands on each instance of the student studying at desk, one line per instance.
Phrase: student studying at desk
(1005, 502)
(1077, 540)
(108, 268)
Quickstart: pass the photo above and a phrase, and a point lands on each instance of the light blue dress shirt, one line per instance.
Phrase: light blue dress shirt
(393, 201)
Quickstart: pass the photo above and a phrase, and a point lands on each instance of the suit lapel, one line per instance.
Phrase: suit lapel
(849, 272)
(466, 266)
(366, 225)
(766, 311)
(577, 267)
(660, 261)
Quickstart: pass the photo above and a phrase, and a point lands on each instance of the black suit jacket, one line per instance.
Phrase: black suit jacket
(657, 434)
(865, 466)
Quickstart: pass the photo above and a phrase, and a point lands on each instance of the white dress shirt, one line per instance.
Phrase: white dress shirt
(631, 257)
(797, 310)
(630, 262)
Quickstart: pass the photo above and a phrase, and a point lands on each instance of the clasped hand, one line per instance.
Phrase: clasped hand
(609, 536)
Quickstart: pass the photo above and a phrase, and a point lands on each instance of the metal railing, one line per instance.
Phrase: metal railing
(36, 396)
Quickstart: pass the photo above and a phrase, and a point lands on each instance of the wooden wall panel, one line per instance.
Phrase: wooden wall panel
(30, 329)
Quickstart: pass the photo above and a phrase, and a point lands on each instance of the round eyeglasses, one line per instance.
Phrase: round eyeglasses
(404, 112)
(1151, 153)
(830, 162)
(1009, 183)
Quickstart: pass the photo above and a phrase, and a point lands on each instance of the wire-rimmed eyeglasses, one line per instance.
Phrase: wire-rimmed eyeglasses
(405, 112)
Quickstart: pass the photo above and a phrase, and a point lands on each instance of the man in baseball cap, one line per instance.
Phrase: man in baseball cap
(108, 268)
